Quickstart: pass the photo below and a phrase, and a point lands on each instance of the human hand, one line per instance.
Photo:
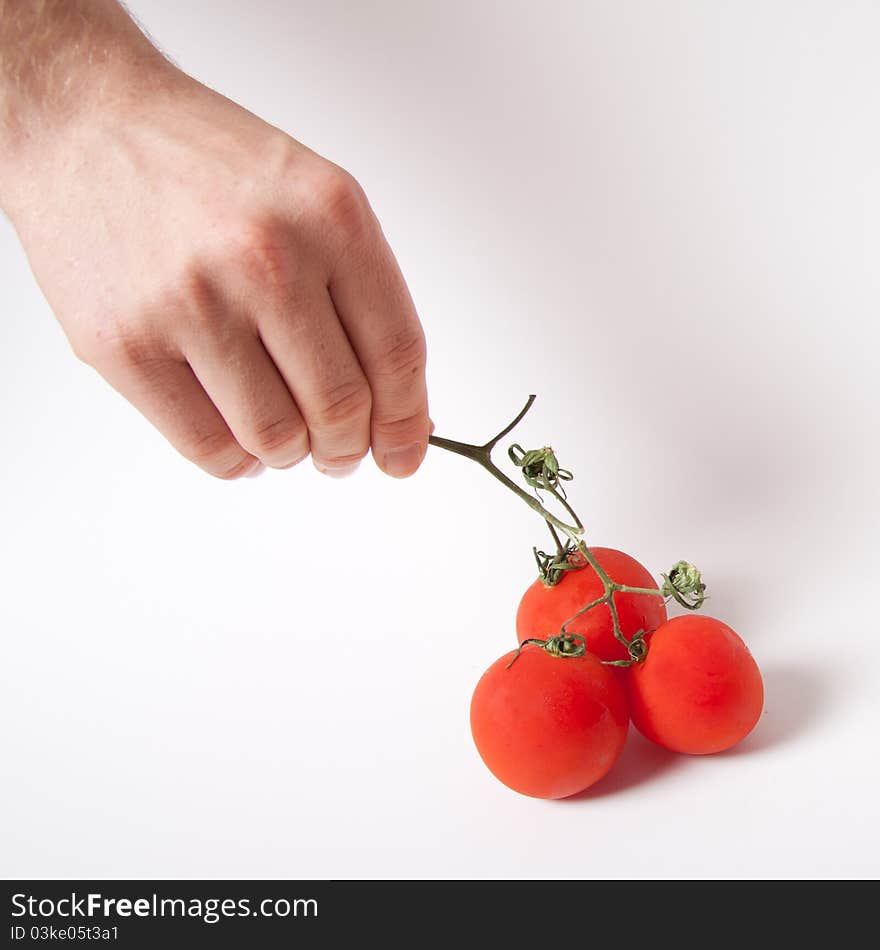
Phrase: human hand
(233, 285)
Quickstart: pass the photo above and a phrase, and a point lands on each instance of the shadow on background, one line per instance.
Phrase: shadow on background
(641, 761)
(794, 698)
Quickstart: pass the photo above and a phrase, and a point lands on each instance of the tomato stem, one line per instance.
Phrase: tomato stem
(482, 455)
(561, 550)
(626, 589)
(635, 646)
(564, 645)
(541, 471)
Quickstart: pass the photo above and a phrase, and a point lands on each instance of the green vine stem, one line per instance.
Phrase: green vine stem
(567, 644)
(542, 472)
(482, 455)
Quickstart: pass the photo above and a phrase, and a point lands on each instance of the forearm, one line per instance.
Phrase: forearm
(58, 59)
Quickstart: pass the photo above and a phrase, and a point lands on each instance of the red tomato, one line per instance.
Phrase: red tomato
(549, 726)
(699, 689)
(543, 610)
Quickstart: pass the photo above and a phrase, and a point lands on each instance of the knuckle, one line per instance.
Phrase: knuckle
(219, 454)
(342, 404)
(263, 249)
(196, 301)
(112, 340)
(195, 291)
(339, 201)
(136, 350)
(404, 355)
(278, 436)
(84, 349)
(340, 460)
(231, 471)
(401, 428)
(82, 344)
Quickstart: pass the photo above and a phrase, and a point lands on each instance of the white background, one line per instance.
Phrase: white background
(664, 218)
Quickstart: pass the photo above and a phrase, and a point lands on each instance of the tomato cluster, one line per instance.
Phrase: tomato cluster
(597, 650)
(550, 718)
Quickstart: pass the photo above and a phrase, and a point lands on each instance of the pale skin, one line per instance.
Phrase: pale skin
(230, 283)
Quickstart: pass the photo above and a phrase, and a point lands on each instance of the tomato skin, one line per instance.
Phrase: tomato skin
(699, 689)
(543, 610)
(549, 726)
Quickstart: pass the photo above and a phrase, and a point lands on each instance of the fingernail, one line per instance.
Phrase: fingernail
(338, 471)
(403, 461)
(257, 470)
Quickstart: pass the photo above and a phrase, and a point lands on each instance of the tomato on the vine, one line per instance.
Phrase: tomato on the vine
(543, 610)
(549, 726)
(551, 719)
(699, 689)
